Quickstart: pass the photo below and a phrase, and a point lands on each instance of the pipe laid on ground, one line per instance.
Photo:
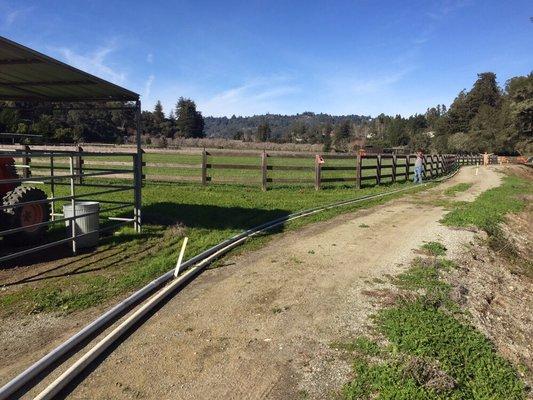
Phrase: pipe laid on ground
(25, 377)
(55, 387)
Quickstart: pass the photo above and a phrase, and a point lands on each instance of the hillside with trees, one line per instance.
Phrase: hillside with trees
(484, 118)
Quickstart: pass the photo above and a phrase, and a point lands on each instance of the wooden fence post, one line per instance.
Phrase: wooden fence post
(78, 163)
(359, 163)
(394, 168)
(264, 156)
(318, 171)
(407, 162)
(378, 169)
(204, 167)
(26, 172)
(433, 166)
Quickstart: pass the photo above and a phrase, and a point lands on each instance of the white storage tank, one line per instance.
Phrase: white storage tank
(84, 224)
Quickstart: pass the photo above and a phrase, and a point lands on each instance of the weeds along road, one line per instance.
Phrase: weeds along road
(261, 324)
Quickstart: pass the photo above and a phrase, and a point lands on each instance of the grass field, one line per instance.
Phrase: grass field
(207, 215)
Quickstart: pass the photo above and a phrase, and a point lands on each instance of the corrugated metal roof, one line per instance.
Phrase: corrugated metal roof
(28, 75)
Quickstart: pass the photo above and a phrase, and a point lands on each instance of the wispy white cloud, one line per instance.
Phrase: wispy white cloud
(8, 16)
(94, 62)
(446, 7)
(437, 15)
(378, 83)
(150, 58)
(252, 97)
(148, 86)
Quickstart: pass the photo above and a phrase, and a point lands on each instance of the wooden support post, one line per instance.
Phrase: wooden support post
(52, 187)
(73, 221)
(433, 166)
(204, 167)
(137, 183)
(407, 162)
(393, 168)
(78, 163)
(26, 172)
(138, 174)
(318, 172)
(264, 158)
(358, 171)
(378, 169)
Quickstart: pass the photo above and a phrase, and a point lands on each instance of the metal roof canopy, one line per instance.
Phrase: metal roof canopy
(27, 75)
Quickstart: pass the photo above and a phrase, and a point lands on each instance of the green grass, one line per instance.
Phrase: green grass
(360, 345)
(434, 248)
(488, 210)
(490, 207)
(460, 187)
(207, 215)
(432, 353)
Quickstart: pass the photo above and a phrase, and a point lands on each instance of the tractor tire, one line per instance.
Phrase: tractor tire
(26, 215)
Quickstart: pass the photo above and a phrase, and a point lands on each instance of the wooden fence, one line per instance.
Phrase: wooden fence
(265, 169)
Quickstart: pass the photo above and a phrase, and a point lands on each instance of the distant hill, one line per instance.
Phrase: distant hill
(280, 125)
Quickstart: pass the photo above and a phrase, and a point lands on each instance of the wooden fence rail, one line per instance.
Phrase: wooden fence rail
(268, 168)
(263, 168)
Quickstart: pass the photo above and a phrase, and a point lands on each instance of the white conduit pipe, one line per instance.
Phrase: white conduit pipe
(25, 377)
(55, 387)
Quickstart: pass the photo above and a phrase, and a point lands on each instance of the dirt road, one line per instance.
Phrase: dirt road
(261, 326)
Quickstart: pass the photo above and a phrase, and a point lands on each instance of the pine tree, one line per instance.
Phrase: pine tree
(159, 115)
(342, 135)
(263, 132)
(326, 138)
(189, 122)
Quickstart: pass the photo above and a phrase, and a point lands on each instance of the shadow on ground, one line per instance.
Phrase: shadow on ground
(208, 216)
(158, 217)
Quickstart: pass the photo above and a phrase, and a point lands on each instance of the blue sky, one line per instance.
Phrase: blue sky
(252, 57)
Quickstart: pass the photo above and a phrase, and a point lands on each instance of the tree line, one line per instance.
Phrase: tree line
(111, 123)
(484, 118)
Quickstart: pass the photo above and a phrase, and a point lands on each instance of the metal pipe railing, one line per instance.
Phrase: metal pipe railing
(73, 180)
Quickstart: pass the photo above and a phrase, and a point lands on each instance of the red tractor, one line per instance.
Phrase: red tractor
(23, 216)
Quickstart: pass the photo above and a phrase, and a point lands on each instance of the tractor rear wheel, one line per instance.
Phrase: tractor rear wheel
(26, 215)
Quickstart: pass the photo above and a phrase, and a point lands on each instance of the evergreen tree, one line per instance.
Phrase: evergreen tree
(520, 112)
(159, 116)
(263, 132)
(189, 122)
(326, 138)
(342, 135)
(485, 92)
